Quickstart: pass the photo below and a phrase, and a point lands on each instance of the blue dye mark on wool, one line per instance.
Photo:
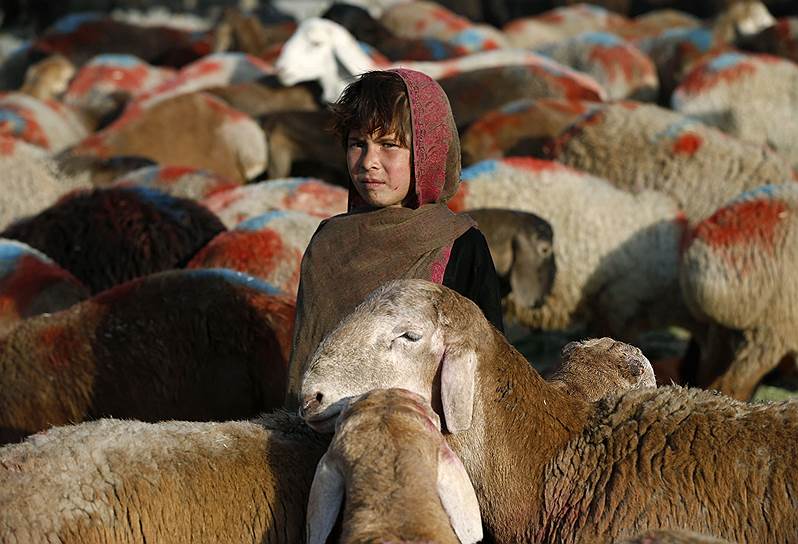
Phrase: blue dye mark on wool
(73, 21)
(765, 192)
(286, 184)
(479, 169)
(674, 130)
(606, 39)
(114, 60)
(726, 61)
(700, 38)
(14, 121)
(518, 106)
(234, 277)
(260, 221)
(470, 38)
(437, 49)
(163, 202)
(10, 253)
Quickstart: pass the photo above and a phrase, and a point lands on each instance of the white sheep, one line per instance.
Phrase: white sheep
(391, 467)
(128, 481)
(548, 467)
(737, 272)
(609, 275)
(643, 146)
(325, 51)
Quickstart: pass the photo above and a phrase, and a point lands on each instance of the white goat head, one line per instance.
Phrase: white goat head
(322, 50)
(402, 335)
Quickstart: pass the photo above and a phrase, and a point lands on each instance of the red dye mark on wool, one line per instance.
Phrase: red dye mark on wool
(705, 78)
(256, 252)
(458, 202)
(745, 223)
(317, 199)
(532, 164)
(687, 144)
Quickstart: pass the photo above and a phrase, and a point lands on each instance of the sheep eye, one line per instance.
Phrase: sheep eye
(412, 336)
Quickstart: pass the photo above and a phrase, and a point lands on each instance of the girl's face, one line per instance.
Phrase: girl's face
(379, 167)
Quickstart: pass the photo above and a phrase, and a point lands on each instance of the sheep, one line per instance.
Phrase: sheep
(325, 51)
(107, 236)
(266, 95)
(618, 66)
(269, 246)
(736, 273)
(366, 29)
(519, 128)
(591, 369)
(30, 181)
(399, 479)
(751, 97)
(44, 123)
(669, 536)
(308, 195)
(193, 129)
(423, 19)
(697, 165)
(176, 481)
(521, 247)
(610, 278)
(780, 39)
(548, 467)
(249, 34)
(294, 136)
(177, 181)
(48, 78)
(32, 284)
(188, 344)
(656, 22)
(93, 171)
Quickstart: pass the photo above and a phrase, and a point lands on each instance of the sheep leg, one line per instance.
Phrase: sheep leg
(758, 354)
(281, 151)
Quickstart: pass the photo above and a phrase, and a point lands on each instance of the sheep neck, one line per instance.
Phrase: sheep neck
(520, 422)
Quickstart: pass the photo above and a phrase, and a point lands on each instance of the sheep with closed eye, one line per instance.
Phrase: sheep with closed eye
(549, 467)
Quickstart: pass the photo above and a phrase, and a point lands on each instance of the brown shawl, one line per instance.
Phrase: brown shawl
(352, 254)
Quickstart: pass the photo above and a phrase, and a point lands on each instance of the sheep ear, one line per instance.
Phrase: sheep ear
(324, 502)
(458, 371)
(458, 497)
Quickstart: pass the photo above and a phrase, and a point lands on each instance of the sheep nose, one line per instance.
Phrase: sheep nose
(310, 403)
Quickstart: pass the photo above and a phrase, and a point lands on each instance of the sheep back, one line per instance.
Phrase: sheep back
(195, 345)
(642, 146)
(176, 481)
(107, 236)
(561, 23)
(178, 181)
(44, 123)
(656, 22)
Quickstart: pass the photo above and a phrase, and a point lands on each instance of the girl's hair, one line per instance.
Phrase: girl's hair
(377, 104)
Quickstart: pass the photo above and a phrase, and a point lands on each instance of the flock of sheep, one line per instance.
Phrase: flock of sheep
(630, 174)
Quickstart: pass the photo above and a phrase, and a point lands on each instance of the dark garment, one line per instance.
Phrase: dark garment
(471, 273)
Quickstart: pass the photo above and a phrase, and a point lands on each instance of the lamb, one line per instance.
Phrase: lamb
(177, 181)
(699, 166)
(107, 236)
(32, 284)
(401, 481)
(269, 246)
(325, 51)
(308, 195)
(618, 66)
(519, 128)
(195, 129)
(609, 277)
(128, 481)
(521, 247)
(591, 369)
(191, 344)
(751, 97)
(737, 274)
(548, 467)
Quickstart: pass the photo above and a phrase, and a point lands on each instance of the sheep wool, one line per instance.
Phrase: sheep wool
(177, 181)
(519, 128)
(699, 166)
(656, 22)
(751, 97)
(128, 481)
(269, 246)
(560, 24)
(618, 66)
(198, 345)
(309, 195)
(32, 284)
(608, 274)
(737, 272)
(44, 123)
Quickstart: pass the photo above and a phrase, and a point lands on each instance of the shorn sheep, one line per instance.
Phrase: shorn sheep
(128, 481)
(699, 166)
(32, 284)
(737, 273)
(107, 236)
(548, 467)
(391, 467)
(751, 97)
(198, 345)
(609, 276)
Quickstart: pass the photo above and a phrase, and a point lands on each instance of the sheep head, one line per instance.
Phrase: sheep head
(412, 334)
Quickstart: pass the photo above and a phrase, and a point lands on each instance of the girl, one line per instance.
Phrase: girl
(403, 156)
